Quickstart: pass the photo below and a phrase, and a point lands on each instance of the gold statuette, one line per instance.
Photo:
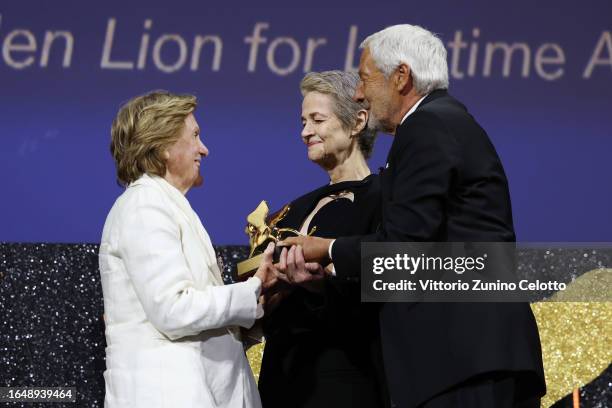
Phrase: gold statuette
(261, 232)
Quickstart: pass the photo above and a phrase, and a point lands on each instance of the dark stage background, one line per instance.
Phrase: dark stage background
(52, 332)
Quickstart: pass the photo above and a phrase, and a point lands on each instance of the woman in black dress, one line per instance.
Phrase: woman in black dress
(322, 344)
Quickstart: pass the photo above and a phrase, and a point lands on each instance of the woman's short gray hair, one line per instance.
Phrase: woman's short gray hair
(415, 46)
(341, 86)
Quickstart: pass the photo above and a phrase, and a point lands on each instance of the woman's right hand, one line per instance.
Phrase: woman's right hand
(267, 272)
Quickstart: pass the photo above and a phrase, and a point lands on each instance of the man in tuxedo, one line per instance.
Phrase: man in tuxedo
(443, 182)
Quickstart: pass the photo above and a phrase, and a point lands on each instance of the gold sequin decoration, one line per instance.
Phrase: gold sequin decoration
(576, 336)
(255, 354)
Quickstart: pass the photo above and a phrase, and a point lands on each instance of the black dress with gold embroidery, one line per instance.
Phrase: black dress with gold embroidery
(323, 349)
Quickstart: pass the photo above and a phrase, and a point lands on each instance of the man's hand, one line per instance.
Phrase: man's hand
(296, 271)
(315, 249)
(266, 272)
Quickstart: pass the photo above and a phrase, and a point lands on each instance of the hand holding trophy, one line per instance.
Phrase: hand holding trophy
(262, 230)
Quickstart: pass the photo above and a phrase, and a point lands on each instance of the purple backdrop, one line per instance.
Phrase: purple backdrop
(538, 77)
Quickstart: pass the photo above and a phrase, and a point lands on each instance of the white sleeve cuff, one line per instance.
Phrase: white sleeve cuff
(256, 285)
(259, 311)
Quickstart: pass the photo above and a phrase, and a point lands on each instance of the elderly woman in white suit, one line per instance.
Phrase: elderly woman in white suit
(172, 326)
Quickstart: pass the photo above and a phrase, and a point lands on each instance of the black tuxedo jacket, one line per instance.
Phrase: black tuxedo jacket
(444, 182)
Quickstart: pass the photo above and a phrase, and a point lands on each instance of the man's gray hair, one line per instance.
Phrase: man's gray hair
(420, 49)
(341, 86)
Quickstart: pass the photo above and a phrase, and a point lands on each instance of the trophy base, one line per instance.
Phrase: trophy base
(246, 269)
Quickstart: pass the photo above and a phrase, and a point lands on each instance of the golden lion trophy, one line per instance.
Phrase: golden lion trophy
(261, 232)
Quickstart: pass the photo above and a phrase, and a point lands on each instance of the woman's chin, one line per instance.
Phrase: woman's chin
(315, 155)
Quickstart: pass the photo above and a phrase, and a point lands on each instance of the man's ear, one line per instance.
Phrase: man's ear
(361, 122)
(403, 78)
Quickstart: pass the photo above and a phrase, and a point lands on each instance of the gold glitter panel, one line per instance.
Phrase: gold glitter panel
(255, 354)
(576, 336)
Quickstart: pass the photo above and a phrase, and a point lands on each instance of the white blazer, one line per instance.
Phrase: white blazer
(171, 324)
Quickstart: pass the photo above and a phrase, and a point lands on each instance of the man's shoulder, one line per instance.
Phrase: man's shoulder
(441, 104)
(428, 119)
(443, 113)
